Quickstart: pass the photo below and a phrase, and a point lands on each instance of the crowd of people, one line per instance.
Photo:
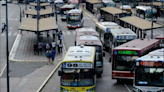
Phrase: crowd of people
(50, 48)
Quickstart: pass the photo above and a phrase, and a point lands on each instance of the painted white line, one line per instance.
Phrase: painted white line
(68, 32)
(15, 34)
(9, 34)
(3, 19)
(63, 32)
(127, 88)
(16, 19)
(11, 19)
(2, 34)
(14, 48)
(74, 32)
(3, 70)
(10, 28)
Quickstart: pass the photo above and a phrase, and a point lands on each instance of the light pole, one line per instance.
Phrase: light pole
(151, 19)
(38, 18)
(26, 5)
(20, 13)
(7, 49)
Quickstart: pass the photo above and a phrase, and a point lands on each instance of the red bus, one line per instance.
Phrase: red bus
(124, 56)
(161, 38)
(90, 40)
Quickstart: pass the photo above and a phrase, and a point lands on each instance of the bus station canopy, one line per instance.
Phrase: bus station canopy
(139, 23)
(94, 1)
(41, 4)
(154, 3)
(113, 10)
(45, 24)
(42, 12)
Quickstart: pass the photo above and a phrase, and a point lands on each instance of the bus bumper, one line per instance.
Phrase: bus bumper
(122, 75)
(72, 26)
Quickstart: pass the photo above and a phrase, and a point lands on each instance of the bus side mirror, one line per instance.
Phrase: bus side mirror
(103, 54)
(59, 73)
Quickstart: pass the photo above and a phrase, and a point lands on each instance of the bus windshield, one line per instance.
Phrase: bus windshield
(73, 19)
(64, 11)
(77, 77)
(124, 63)
(149, 76)
(110, 5)
(58, 5)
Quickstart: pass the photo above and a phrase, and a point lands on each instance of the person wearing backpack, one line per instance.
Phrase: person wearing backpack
(53, 54)
(48, 55)
(47, 46)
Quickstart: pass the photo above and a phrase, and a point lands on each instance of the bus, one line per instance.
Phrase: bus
(145, 13)
(103, 29)
(86, 31)
(123, 57)
(58, 4)
(128, 8)
(77, 72)
(90, 40)
(75, 3)
(149, 72)
(75, 18)
(108, 3)
(161, 38)
(64, 10)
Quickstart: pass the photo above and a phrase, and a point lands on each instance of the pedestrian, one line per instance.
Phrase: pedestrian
(58, 42)
(60, 46)
(47, 46)
(50, 46)
(54, 34)
(83, 6)
(144, 34)
(93, 12)
(3, 27)
(48, 55)
(59, 33)
(40, 45)
(48, 34)
(53, 55)
(35, 48)
(53, 44)
(61, 36)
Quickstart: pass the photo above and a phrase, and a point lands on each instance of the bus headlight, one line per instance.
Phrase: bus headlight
(92, 89)
(62, 89)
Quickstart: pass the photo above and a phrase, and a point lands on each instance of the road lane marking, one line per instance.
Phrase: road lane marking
(2, 34)
(74, 32)
(10, 28)
(127, 88)
(68, 32)
(3, 70)
(9, 34)
(11, 19)
(63, 32)
(16, 19)
(15, 34)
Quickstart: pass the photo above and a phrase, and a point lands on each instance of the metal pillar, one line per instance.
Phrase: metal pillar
(26, 5)
(151, 19)
(7, 49)
(20, 13)
(38, 17)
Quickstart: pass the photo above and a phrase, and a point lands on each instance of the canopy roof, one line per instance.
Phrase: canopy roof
(30, 24)
(140, 23)
(41, 4)
(113, 10)
(94, 1)
(42, 12)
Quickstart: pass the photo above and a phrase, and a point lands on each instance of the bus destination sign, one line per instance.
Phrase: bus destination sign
(126, 52)
(77, 65)
(151, 64)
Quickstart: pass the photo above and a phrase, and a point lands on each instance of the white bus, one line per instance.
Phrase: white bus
(108, 3)
(127, 8)
(103, 28)
(145, 13)
(149, 72)
(75, 18)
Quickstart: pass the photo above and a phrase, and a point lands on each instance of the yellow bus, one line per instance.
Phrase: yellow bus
(77, 72)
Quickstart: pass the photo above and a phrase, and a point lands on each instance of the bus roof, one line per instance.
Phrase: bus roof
(123, 31)
(88, 40)
(68, 6)
(75, 11)
(160, 37)
(80, 53)
(145, 8)
(108, 1)
(86, 31)
(105, 25)
(125, 7)
(58, 1)
(155, 56)
(138, 44)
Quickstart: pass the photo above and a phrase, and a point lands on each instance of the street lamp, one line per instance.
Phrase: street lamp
(20, 12)
(7, 49)
(151, 19)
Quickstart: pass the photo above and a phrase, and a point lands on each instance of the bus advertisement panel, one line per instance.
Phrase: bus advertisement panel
(89, 40)
(123, 57)
(75, 18)
(58, 4)
(64, 11)
(78, 70)
(75, 3)
(149, 72)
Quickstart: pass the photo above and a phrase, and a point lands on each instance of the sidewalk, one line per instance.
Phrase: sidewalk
(22, 49)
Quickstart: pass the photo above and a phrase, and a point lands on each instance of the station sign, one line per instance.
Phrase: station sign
(77, 65)
(126, 52)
